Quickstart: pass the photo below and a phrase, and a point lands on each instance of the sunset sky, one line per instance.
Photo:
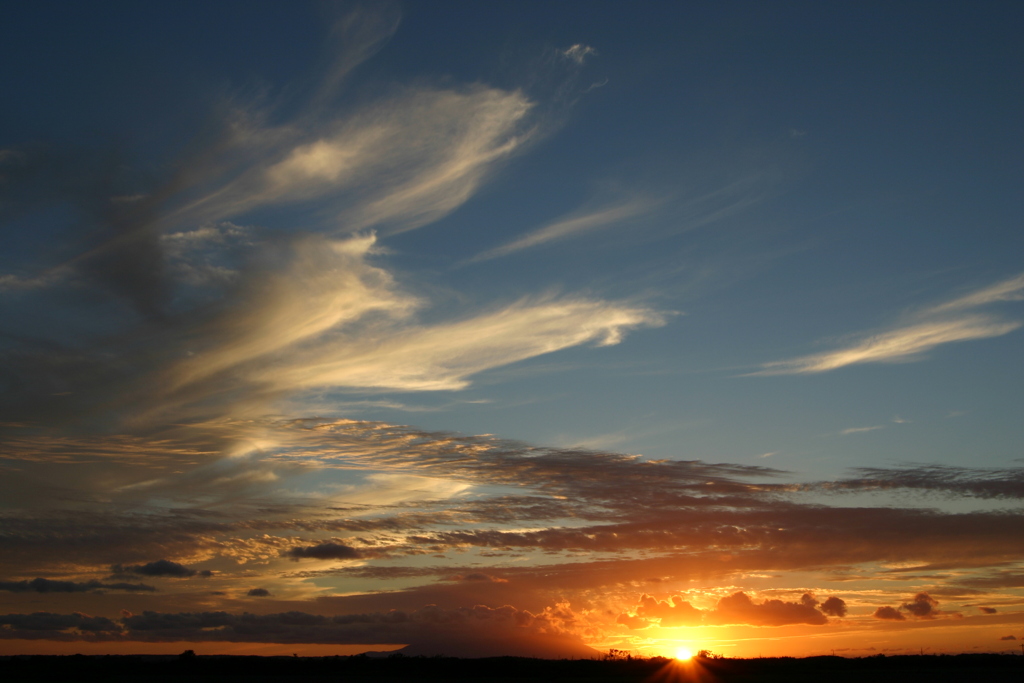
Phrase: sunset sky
(534, 328)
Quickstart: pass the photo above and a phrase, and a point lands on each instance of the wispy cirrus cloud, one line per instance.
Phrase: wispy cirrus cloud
(394, 165)
(578, 52)
(571, 226)
(1011, 289)
(860, 430)
(943, 324)
(327, 317)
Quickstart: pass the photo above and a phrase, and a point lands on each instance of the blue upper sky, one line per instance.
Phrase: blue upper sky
(780, 179)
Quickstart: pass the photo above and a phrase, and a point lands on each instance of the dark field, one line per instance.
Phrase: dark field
(153, 669)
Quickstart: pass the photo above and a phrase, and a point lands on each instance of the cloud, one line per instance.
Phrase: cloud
(633, 622)
(1011, 289)
(75, 626)
(858, 430)
(961, 481)
(396, 164)
(478, 576)
(444, 356)
(988, 610)
(943, 324)
(672, 612)
(889, 614)
(833, 607)
(324, 285)
(578, 52)
(1010, 637)
(737, 608)
(324, 551)
(328, 318)
(50, 586)
(258, 593)
(570, 227)
(468, 632)
(159, 568)
(567, 501)
(902, 344)
(678, 520)
(923, 606)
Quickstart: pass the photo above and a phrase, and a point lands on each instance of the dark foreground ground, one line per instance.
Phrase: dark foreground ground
(156, 669)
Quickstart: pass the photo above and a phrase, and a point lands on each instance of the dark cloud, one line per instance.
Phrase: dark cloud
(478, 576)
(324, 551)
(1010, 637)
(388, 573)
(633, 622)
(675, 513)
(988, 610)
(159, 568)
(672, 612)
(75, 626)
(258, 593)
(1003, 578)
(41, 585)
(473, 632)
(737, 608)
(961, 481)
(888, 613)
(922, 606)
(833, 607)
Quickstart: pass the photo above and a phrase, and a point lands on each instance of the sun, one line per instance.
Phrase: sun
(683, 654)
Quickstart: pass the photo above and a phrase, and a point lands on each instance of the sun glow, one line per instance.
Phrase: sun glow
(682, 654)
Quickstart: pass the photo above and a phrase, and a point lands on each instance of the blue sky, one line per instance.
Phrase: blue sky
(782, 240)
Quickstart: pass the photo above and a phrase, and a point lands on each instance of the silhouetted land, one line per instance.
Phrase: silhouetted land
(154, 669)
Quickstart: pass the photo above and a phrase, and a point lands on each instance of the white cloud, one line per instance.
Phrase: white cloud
(9, 281)
(326, 285)
(578, 52)
(330, 319)
(903, 344)
(397, 164)
(859, 430)
(942, 324)
(1011, 289)
(444, 356)
(385, 488)
(568, 227)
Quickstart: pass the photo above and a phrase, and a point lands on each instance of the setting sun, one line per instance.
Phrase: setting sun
(683, 654)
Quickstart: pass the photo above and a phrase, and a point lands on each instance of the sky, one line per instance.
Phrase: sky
(512, 328)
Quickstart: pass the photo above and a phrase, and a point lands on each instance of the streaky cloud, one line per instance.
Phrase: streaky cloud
(41, 585)
(860, 430)
(444, 356)
(1011, 289)
(394, 165)
(569, 227)
(943, 324)
(578, 52)
(960, 481)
